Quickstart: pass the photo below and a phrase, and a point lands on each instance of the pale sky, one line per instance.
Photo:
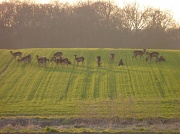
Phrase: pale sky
(172, 5)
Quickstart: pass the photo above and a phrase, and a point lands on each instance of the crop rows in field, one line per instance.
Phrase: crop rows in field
(137, 89)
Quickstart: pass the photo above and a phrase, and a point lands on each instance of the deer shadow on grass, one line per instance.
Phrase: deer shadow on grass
(60, 70)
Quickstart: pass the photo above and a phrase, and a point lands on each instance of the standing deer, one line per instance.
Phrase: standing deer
(58, 54)
(42, 60)
(150, 55)
(138, 52)
(16, 54)
(79, 59)
(112, 56)
(98, 60)
(25, 58)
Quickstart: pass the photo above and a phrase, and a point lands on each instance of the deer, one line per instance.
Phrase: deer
(160, 59)
(15, 54)
(58, 54)
(66, 61)
(120, 62)
(42, 60)
(61, 61)
(55, 56)
(53, 59)
(25, 58)
(112, 56)
(138, 52)
(79, 59)
(98, 60)
(150, 55)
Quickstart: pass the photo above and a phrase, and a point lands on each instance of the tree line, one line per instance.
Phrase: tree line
(86, 24)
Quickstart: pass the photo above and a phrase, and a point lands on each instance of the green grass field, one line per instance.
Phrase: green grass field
(136, 90)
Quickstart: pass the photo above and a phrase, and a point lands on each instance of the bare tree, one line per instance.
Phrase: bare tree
(160, 19)
(133, 18)
(85, 24)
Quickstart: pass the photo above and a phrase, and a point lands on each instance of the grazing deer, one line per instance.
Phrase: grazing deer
(69, 62)
(66, 61)
(16, 54)
(98, 60)
(58, 54)
(112, 56)
(61, 61)
(138, 52)
(79, 59)
(25, 58)
(55, 56)
(58, 61)
(120, 62)
(151, 55)
(42, 60)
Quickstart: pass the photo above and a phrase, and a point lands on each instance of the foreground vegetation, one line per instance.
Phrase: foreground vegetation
(89, 125)
(137, 90)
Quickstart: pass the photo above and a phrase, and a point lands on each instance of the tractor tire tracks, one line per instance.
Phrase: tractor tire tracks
(2, 71)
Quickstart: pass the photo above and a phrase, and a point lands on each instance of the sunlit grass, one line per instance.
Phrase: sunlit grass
(135, 90)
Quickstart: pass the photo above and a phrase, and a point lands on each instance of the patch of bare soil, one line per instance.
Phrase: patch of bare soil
(97, 125)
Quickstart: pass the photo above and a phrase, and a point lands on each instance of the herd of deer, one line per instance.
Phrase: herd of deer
(149, 55)
(58, 58)
(25, 58)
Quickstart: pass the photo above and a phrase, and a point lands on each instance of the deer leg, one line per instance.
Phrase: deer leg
(56, 64)
(157, 57)
(146, 59)
(140, 57)
(135, 57)
(150, 60)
